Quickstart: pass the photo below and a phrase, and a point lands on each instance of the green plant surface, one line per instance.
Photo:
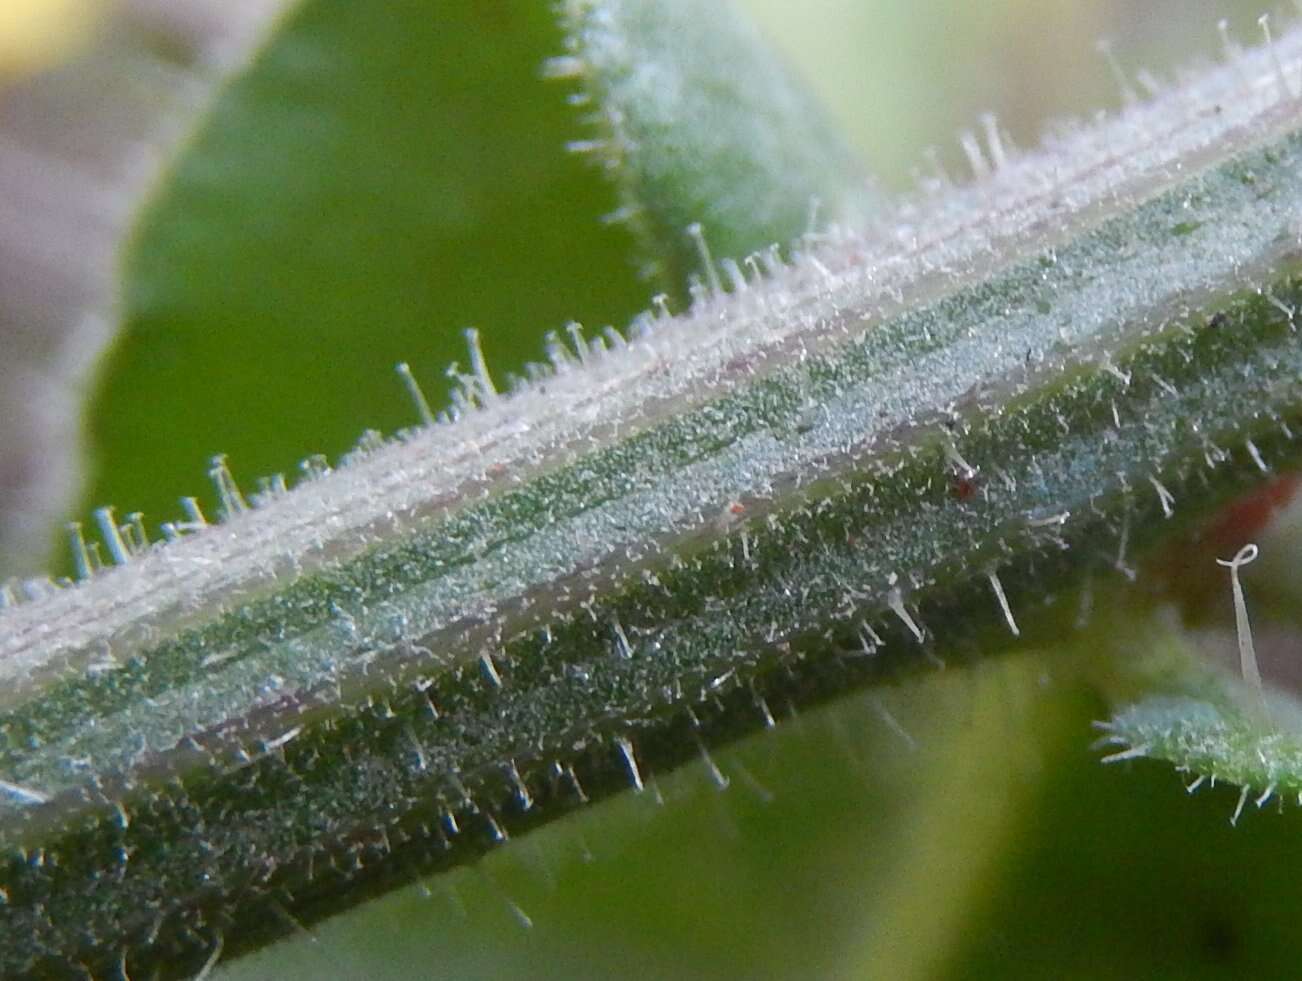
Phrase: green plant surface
(1213, 727)
(379, 178)
(699, 132)
(889, 449)
(597, 607)
(1215, 739)
(667, 884)
(1072, 865)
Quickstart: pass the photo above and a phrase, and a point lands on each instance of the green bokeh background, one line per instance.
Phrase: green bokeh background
(388, 173)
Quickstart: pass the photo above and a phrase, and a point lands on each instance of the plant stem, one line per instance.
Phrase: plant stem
(890, 453)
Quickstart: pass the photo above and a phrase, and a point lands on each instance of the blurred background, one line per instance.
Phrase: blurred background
(190, 267)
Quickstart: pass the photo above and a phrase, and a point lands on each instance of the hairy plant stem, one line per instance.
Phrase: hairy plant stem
(881, 458)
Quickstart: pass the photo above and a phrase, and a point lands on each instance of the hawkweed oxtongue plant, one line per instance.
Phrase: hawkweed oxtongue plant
(888, 447)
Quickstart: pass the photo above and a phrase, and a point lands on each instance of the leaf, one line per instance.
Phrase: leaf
(1216, 740)
(1216, 706)
(382, 176)
(1208, 723)
(80, 143)
(699, 122)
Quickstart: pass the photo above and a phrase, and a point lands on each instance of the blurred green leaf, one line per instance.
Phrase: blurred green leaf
(382, 176)
(698, 122)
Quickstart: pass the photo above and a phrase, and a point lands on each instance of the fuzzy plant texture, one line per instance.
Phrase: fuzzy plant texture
(928, 482)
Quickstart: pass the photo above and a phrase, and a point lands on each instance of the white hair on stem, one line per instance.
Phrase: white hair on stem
(1002, 597)
(409, 382)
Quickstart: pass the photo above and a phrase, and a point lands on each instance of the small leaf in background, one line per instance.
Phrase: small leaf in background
(1215, 739)
(1222, 670)
(1207, 722)
(382, 176)
(697, 121)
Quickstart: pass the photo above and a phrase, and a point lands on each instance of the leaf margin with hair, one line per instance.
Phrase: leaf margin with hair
(1195, 715)
(700, 126)
(1214, 739)
(1129, 321)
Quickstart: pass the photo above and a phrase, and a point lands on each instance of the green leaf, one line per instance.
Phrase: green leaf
(1245, 730)
(382, 176)
(1214, 739)
(80, 145)
(698, 122)
(1208, 723)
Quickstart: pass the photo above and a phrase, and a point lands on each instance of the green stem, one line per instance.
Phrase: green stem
(889, 454)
